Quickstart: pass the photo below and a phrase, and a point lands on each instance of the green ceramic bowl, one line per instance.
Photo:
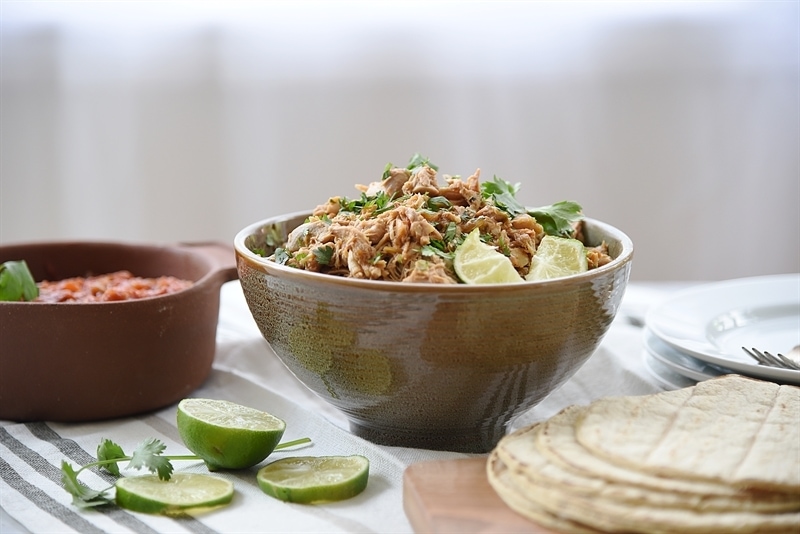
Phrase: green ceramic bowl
(430, 365)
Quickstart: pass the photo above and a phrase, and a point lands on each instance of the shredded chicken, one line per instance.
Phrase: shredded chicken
(407, 226)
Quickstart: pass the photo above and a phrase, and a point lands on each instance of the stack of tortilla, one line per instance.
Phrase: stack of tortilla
(721, 456)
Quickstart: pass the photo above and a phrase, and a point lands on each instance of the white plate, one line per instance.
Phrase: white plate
(664, 375)
(677, 361)
(712, 323)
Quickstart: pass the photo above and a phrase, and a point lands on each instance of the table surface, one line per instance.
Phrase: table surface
(246, 371)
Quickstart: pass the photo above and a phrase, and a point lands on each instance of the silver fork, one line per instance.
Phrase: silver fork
(774, 360)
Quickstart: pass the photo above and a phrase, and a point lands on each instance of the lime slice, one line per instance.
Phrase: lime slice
(557, 257)
(183, 491)
(312, 479)
(476, 262)
(227, 435)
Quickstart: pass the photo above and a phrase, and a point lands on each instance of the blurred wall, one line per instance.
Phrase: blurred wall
(678, 122)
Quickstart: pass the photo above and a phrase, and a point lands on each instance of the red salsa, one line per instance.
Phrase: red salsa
(121, 285)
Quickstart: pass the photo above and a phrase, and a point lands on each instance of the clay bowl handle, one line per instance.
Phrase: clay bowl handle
(221, 256)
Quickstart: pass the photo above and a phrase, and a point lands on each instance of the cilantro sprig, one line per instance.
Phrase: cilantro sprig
(556, 219)
(16, 282)
(324, 254)
(147, 455)
(377, 203)
(416, 162)
(503, 194)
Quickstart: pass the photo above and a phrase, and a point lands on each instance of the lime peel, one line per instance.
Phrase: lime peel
(227, 435)
(183, 491)
(314, 479)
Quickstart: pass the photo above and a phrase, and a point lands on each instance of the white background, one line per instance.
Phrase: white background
(179, 121)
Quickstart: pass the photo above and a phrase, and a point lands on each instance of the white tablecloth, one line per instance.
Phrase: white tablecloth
(246, 371)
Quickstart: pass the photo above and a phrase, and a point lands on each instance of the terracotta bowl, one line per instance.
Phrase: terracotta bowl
(81, 362)
(430, 366)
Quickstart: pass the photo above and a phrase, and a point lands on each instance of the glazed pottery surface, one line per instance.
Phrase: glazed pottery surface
(89, 361)
(430, 365)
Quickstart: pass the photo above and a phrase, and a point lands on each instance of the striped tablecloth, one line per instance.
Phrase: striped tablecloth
(245, 371)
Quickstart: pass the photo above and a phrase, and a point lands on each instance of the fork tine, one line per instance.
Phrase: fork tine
(766, 358)
(769, 358)
(757, 356)
(786, 362)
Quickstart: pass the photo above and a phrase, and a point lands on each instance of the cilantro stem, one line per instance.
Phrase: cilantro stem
(292, 443)
(187, 457)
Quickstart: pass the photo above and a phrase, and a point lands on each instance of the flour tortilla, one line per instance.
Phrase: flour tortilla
(722, 456)
(612, 516)
(500, 479)
(731, 430)
(557, 441)
(522, 453)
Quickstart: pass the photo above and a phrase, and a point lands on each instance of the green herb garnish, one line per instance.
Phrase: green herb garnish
(556, 219)
(503, 194)
(281, 255)
(16, 282)
(437, 247)
(265, 240)
(438, 203)
(147, 455)
(417, 161)
(324, 254)
(450, 232)
(387, 171)
(375, 203)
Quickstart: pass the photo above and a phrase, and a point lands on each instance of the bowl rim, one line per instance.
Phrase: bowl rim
(625, 256)
(197, 250)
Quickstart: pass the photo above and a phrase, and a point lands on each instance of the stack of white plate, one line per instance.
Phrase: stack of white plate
(699, 333)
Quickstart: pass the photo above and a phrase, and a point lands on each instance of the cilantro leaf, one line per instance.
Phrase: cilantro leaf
(264, 241)
(281, 255)
(438, 203)
(323, 254)
(437, 248)
(503, 194)
(82, 495)
(387, 171)
(417, 161)
(16, 282)
(377, 203)
(148, 455)
(108, 450)
(557, 219)
(450, 232)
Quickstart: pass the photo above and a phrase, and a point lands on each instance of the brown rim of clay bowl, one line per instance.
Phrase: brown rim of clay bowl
(73, 362)
(429, 365)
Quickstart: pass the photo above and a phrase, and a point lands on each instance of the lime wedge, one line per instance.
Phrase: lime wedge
(183, 491)
(227, 435)
(312, 479)
(475, 262)
(557, 257)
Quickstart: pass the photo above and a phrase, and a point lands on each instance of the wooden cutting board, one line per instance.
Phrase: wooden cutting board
(454, 496)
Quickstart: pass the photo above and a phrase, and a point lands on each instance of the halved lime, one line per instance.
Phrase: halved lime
(312, 479)
(183, 491)
(557, 257)
(475, 262)
(227, 435)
